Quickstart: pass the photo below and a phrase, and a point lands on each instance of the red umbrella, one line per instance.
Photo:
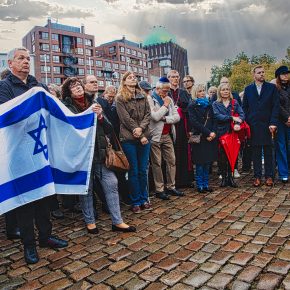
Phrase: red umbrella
(231, 144)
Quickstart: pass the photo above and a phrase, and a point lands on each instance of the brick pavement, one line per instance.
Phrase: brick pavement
(231, 239)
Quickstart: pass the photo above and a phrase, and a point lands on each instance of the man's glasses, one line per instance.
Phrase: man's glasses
(174, 77)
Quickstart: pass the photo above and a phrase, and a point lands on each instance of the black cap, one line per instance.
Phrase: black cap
(283, 69)
(145, 85)
(164, 80)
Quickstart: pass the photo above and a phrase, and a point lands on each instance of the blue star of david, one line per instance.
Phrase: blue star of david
(36, 134)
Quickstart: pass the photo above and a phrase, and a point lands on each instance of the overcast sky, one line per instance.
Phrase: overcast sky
(210, 30)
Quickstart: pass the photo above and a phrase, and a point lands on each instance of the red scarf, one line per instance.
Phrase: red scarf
(81, 103)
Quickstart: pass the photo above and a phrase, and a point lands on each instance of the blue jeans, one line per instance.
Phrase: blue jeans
(138, 157)
(282, 150)
(202, 175)
(109, 183)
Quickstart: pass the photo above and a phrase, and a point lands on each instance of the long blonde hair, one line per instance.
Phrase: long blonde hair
(196, 89)
(123, 92)
(219, 97)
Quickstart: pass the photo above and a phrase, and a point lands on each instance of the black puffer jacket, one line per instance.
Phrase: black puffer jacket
(284, 96)
(104, 128)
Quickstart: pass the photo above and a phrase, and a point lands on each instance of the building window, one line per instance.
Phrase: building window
(55, 47)
(149, 65)
(44, 35)
(122, 49)
(128, 51)
(99, 63)
(115, 65)
(54, 36)
(123, 58)
(79, 40)
(144, 55)
(81, 61)
(140, 70)
(32, 36)
(101, 83)
(33, 48)
(99, 73)
(90, 71)
(123, 67)
(81, 72)
(45, 80)
(79, 50)
(88, 52)
(108, 83)
(57, 81)
(112, 49)
(56, 69)
(145, 72)
(88, 42)
(45, 69)
(139, 54)
(44, 47)
(108, 64)
(134, 69)
(89, 62)
(44, 57)
(140, 62)
(134, 52)
(144, 63)
(55, 58)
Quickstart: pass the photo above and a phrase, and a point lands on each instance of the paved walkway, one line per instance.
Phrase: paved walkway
(231, 239)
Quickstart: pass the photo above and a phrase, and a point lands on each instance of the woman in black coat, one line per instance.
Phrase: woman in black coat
(201, 122)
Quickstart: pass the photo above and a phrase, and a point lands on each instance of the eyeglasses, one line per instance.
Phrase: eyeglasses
(174, 77)
(186, 81)
(74, 85)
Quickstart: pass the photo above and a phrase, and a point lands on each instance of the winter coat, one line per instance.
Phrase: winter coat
(12, 87)
(284, 94)
(201, 121)
(261, 111)
(104, 128)
(157, 113)
(223, 116)
(134, 113)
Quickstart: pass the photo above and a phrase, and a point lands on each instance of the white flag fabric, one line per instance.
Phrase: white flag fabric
(44, 149)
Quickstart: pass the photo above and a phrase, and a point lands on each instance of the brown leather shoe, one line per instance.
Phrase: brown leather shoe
(257, 182)
(269, 181)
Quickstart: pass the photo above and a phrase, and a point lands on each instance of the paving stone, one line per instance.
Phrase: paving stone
(261, 260)
(58, 285)
(101, 286)
(120, 279)
(120, 255)
(231, 269)
(75, 266)
(221, 257)
(168, 264)
(135, 284)
(210, 267)
(200, 257)
(156, 286)
(220, 281)
(83, 285)
(12, 283)
(197, 279)
(271, 249)
(36, 273)
(157, 257)
(81, 274)
(141, 266)
(172, 277)
(151, 274)
(249, 274)
(100, 276)
(241, 258)
(183, 254)
(194, 246)
(51, 277)
(279, 267)
(31, 285)
(268, 281)
(252, 248)
(187, 267)
(240, 285)
(232, 246)
(286, 282)
(100, 264)
(284, 255)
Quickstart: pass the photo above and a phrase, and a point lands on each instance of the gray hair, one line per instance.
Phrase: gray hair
(160, 85)
(11, 53)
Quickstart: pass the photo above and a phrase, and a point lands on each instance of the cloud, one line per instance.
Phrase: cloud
(21, 10)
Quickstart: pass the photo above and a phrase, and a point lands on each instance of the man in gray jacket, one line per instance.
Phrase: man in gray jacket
(163, 117)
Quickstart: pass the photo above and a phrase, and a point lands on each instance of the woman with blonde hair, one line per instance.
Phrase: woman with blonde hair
(134, 113)
(222, 109)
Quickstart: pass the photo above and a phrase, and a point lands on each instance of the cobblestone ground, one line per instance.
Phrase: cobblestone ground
(231, 239)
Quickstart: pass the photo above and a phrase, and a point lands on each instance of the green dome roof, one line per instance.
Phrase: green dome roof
(158, 35)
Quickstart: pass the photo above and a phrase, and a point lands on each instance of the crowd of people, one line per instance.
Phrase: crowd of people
(168, 133)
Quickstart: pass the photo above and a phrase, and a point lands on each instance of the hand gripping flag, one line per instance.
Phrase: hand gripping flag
(44, 149)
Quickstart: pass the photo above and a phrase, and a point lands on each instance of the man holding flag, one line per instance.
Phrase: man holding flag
(18, 82)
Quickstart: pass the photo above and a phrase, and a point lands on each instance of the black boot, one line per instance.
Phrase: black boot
(231, 181)
(224, 173)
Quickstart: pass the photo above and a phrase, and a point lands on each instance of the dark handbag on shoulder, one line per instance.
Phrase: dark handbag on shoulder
(195, 139)
(116, 160)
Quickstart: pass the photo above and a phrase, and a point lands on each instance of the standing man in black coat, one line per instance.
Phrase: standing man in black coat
(261, 107)
(16, 83)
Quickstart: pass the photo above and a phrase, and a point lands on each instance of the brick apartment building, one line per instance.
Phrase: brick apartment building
(63, 51)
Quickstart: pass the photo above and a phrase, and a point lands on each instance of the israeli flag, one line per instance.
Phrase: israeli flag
(44, 149)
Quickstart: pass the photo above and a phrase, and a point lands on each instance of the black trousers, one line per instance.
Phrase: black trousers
(257, 160)
(38, 211)
(10, 221)
(247, 156)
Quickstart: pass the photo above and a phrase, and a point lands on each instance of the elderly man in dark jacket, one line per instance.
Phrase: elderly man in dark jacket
(16, 83)
(261, 106)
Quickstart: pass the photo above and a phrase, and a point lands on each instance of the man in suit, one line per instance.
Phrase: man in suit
(261, 107)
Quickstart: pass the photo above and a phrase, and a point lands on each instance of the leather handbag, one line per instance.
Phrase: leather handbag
(195, 139)
(116, 160)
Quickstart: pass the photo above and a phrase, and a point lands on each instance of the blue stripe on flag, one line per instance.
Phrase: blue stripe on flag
(35, 103)
(38, 179)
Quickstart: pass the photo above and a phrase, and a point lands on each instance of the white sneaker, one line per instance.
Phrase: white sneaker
(220, 177)
(236, 174)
